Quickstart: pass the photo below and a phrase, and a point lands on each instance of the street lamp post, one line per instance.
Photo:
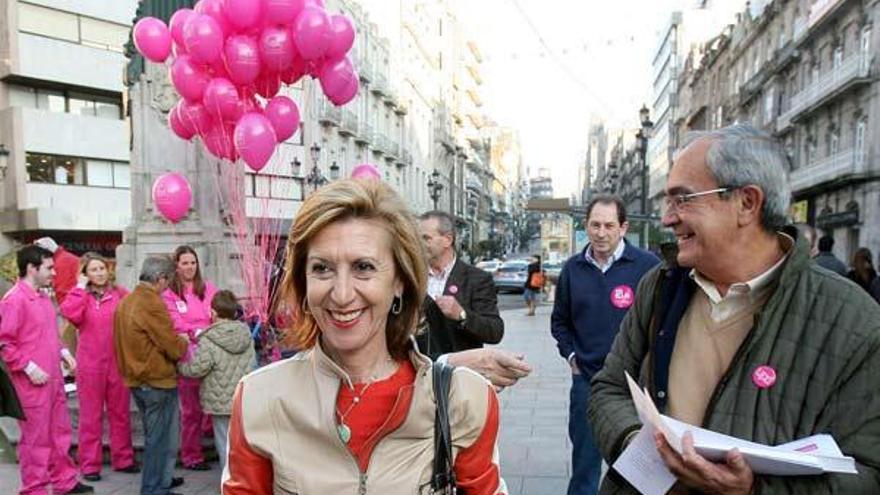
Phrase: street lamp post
(434, 187)
(314, 178)
(643, 135)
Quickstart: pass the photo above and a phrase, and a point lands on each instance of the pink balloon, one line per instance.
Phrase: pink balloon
(283, 114)
(203, 38)
(219, 142)
(221, 98)
(347, 93)
(178, 19)
(335, 75)
(195, 116)
(188, 78)
(276, 48)
(172, 196)
(242, 59)
(217, 10)
(311, 32)
(283, 11)
(366, 171)
(268, 85)
(342, 37)
(245, 14)
(178, 127)
(255, 140)
(153, 39)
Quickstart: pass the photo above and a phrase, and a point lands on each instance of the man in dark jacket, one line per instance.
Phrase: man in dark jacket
(596, 288)
(746, 336)
(826, 258)
(461, 309)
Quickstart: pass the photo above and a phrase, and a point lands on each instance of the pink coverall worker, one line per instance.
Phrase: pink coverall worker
(98, 381)
(189, 315)
(28, 338)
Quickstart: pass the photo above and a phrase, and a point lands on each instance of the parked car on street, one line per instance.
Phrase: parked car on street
(552, 270)
(490, 266)
(511, 276)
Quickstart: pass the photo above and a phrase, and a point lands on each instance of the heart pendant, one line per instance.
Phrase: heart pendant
(344, 433)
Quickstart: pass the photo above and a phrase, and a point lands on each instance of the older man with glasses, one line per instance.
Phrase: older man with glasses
(744, 336)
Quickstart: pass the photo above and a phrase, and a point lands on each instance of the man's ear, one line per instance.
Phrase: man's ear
(750, 204)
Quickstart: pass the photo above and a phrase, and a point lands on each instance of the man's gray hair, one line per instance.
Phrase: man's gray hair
(156, 267)
(445, 223)
(741, 155)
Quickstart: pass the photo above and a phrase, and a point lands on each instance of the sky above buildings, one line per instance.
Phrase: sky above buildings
(553, 66)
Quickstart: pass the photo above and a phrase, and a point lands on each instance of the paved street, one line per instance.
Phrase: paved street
(534, 441)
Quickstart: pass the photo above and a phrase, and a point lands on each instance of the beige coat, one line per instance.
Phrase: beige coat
(288, 416)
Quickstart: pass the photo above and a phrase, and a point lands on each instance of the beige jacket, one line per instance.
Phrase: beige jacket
(288, 417)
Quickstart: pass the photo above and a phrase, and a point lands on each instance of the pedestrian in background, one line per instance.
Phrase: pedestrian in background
(225, 354)
(90, 307)
(534, 285)
(596, 288)
(188, 299)
(30, 347)
(862, 272)
(826, 258)
(147, 350)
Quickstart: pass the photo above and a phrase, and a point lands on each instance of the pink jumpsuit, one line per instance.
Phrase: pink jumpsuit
(98, 381)
(29, 333)
(190, 314)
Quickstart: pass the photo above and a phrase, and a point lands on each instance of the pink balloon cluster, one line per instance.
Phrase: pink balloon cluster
(227, 53)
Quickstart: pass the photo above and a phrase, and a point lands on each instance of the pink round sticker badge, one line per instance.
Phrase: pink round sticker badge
(622, 296)
(764, 376)
(453, 289)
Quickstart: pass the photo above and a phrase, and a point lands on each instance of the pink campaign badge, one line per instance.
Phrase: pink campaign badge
(453, 289)
(622, 296)
(764, 377)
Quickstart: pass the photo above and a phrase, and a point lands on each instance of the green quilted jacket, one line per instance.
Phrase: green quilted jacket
(224, 355)
(822, 335)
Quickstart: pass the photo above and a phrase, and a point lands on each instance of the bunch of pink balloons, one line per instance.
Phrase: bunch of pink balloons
(230, 58)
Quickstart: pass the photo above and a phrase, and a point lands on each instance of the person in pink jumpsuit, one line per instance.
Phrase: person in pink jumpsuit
(90, 306)
(32, 350)
(188, 299)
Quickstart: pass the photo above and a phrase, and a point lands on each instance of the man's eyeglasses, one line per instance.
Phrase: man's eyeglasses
(675, 202)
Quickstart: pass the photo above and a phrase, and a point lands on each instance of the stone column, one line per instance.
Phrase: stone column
(156, 150)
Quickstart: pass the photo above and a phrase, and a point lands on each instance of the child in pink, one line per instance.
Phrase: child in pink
(90, 307)
(188, 299)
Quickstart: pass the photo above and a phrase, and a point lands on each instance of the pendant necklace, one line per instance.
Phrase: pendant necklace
(343, 429)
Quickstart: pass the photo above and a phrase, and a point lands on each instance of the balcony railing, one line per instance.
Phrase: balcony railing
(349, 125)
(365, 70)
(406, 159)
(380, 143)
(364, 135)
(329, 114)
(837, 166)
(380, 84)
(853, 68)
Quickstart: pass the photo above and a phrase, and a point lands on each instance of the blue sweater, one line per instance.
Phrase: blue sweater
(590, 305)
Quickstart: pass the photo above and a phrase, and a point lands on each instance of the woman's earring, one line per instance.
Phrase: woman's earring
(396, 305)
(305, 308)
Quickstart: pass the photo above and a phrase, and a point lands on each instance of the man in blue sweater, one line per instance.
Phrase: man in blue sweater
(596, 288)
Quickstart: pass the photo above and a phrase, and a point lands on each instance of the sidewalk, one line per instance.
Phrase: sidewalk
(534, 445)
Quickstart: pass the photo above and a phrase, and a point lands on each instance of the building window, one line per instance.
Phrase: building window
(67, 26)
(58, 101)
(861, 128)
(769, 110)
(837, 57)
(833, 143)
(71, 170)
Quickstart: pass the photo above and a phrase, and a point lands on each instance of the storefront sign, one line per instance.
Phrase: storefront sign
(834, 220)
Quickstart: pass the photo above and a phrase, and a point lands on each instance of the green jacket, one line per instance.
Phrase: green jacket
(224, 355)
(822, 335)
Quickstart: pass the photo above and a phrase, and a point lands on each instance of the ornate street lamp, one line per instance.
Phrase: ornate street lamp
(434, 187)
(643, 135)
(314, 178)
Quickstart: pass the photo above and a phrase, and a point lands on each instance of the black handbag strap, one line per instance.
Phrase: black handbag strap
(443, 478)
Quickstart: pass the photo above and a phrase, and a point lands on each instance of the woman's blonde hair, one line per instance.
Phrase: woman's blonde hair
(93, 256)
(362, 199)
